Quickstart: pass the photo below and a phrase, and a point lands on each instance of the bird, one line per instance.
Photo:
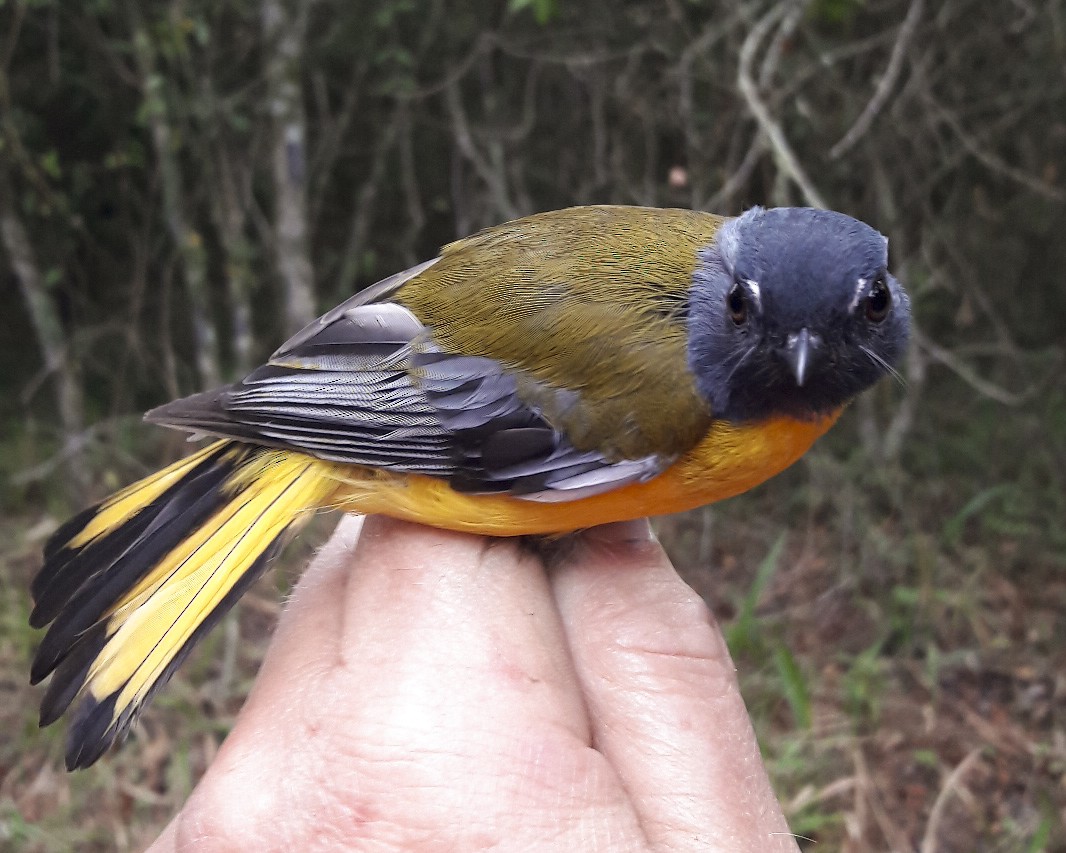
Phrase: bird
(560, 371)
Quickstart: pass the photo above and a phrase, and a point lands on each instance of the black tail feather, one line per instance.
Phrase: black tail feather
(94, 727)
(121, 558)
(70, 569)
(71, 674)
(130, 585)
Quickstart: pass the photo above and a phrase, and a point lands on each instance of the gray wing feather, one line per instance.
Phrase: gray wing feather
(373, 294)
(365, 385)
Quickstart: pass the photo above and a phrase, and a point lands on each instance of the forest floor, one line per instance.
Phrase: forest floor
(900, 643)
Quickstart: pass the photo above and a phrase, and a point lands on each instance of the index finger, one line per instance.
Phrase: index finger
(663, 698)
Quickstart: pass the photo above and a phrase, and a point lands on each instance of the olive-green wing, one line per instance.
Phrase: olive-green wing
(573, 387)
(588, 299)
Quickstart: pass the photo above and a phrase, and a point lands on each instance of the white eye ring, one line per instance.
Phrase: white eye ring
(756, 294)
(860, 290)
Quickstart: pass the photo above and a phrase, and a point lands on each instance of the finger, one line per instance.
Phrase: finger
(663, 699)
(424, 667)
(306, 642)
(464, 627)
(241, 801)
(478, 694)
(167, 840)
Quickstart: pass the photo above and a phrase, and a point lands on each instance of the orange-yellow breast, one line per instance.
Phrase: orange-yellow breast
(730, 460)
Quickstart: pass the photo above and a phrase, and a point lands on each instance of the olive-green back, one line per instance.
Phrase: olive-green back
(588, 299)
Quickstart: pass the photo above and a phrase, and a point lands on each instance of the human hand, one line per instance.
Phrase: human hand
(428, 690)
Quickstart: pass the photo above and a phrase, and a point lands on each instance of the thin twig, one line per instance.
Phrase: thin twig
(947, 790)
(991, 161)
(884, 85)
(739, 176)
(464, 140)
(786, 159)
(776, 48)
(13, 31)
(364, 203)
(868, 793)
(968, 375)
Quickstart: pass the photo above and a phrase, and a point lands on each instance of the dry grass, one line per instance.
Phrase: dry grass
(921, 704)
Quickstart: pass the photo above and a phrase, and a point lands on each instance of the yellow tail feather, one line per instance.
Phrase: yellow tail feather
(149, 626)
(152, 569)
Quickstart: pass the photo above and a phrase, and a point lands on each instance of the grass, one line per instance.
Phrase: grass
(901, 649)
(899, 637)
(866, 704)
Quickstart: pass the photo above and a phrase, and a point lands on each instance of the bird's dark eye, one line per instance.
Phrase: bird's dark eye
(738, 305)
(878, 300)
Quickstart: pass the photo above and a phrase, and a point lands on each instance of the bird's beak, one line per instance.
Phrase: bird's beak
(797, 352)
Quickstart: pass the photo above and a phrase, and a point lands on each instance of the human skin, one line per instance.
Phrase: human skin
(435, 691)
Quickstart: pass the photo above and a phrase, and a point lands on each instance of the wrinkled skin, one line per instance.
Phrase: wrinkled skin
(432, 691)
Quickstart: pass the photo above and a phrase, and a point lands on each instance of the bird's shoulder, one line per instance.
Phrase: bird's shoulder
(589, 299)
(596, 251)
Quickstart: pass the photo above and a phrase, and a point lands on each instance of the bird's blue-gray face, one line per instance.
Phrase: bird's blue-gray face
(793, 313)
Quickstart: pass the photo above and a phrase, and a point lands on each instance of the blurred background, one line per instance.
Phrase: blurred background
(184, 183)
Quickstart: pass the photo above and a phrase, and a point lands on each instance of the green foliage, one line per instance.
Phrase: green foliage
(744, 635)
(835, 12)
(864, 683)
(955, 525)
(389, 13)
(1040, 839)
(543, 10)
(794, 686)
(750, 637)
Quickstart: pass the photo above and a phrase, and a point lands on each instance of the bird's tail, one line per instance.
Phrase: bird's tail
(131, 584)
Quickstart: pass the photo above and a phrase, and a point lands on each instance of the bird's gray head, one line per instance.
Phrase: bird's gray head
(793, 313)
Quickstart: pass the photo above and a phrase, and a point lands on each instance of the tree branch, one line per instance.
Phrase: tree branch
(885, 85)
(785, 158)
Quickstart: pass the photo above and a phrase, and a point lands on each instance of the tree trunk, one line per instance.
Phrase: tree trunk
(284, 27)
(230, 214)
(187, 240)
(51, 338)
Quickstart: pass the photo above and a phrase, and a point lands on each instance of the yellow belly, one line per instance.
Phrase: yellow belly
(730, 460)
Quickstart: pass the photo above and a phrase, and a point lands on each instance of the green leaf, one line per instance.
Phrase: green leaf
(49, 162)
(863, 685)
(794, 686)
(1040, 839)
(835, 12)
(389, 12)
(743, 634)
(953, 529)
(543, 10)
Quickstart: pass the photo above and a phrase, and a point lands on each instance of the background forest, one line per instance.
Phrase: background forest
(183, 183)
